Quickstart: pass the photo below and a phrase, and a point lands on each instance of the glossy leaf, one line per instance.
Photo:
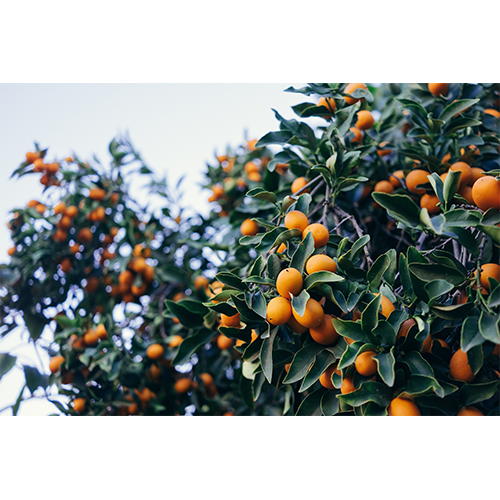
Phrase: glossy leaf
(368, 391)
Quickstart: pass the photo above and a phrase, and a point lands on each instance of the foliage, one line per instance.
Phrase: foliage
(411, 275)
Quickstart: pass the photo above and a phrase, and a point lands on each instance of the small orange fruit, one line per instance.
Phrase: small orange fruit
(320, 234)
(466, 171)
(430, 202)
(415, 178)
(326, 377)
(278, 311)
(320, 262)
(492, 112)
(295, 326)
(249, 228)
(155, 351)
(470, 411)
(384, 187)
(347, 386)
(230, 321)
(437, 89)
(350, 88)
(79, 405)
(460, 368)
(386, 306)
(489, 271)
(176, 341)
(365, 364)
(401, 407)
(91, 338)
(365, 120)
(486, 193)
(395, 176)
(71, 211)
(289, 281)
(55, 363)
(224, 343)
(296, 220)
(298, 184)
(97, 194)
(313, 314)
(182, 385)
(328, 103)
(325, 333)
(200, 282)
(476, 174)
(358, 135)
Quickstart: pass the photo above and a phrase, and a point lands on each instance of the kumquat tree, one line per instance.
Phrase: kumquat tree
(349, 266)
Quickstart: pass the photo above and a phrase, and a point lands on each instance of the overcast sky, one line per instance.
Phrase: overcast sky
(175, 127)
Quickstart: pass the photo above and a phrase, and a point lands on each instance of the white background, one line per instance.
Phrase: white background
(177, 128)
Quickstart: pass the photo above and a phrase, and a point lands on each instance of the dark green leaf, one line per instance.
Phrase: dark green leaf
(191, 344)
(399, 206)
(385, 366)
(301, 362)
(6, 363)
(470, 334)
(321, 277)
(266, 355)
(475, 393)
(368, 391)
(303, 252)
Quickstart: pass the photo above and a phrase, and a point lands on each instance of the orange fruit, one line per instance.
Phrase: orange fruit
(79, 405)
(206, 378)
(466, 176)
(289, 281)
(31, 157)
(386, 306)
(224, 343)
(320, 262)
(11, 251)
(347, 386)
(350, 88)
(443, 344)
(155, 351)
(365, 364)
(325, 333)
(326, 377)
(437, 89)
(313, 314)
(405, 327)
(492, 112)
(328, 103)
(489, 271)
(254, 177)
(65, 222)
(101, 332)
(460, 368)
(496, 351)
(430, 201)
(358, 135)
(383, 152)
(486, 193)
(415, 178)
(230, 321)
(144, 394)
(84, 235)
(66, 265)
(401, 407)
(298, 184)
(446, 158)
(97, 194)
(176, 341)
(55, 363)
(466, 192)
(296, 220)
(32, 204)
(365, 120)
(91, 338)
(281, 248)
(249, 228)
(126, 278)
(182, 385)
(295, 326)
(139, 264)
(320, 234)
(251, 167)
(384, 187)
(71, 211)
(476, 174)
(40, 208)
(200, 282)
(148, 274)
(470, 411)
(278, 311)
(60, 208)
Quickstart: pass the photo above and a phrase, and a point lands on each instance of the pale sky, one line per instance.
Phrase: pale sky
(175, 127)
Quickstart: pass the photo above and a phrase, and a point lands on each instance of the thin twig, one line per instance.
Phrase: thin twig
(358, 230)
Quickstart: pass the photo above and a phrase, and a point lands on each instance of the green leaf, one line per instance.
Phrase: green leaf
(399, 206)
(470, 335)
(6, 363)
(257, 303)
(436, 289)
(385, 333)
(266, 355)
(323, 360)
(35, 324)
(269, 239)
(258, 266)
(458, 124)
(369, 316)
(302, 253)
(279, 137)
(311, 406)
(385, 366)
(417, 364)
(262, 194)
(475, 393)
(404, 275)
(321, 277)
(301, 362)
(418, 385)
(182, 312)
(450, 186)
(344, 118)
(418, 112)
(351, 353)
(329, 403)
(488, 326)
(231, 280)
(453, 312)
(492, 231)
(351, 330)
(379, 267)
(34, 379)
(494, 297)
(191, 344)
(368, 391)
(475, 358)
(17, 404)
(456, 107)
(299, 302)
(431, 272)
(273, 266)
